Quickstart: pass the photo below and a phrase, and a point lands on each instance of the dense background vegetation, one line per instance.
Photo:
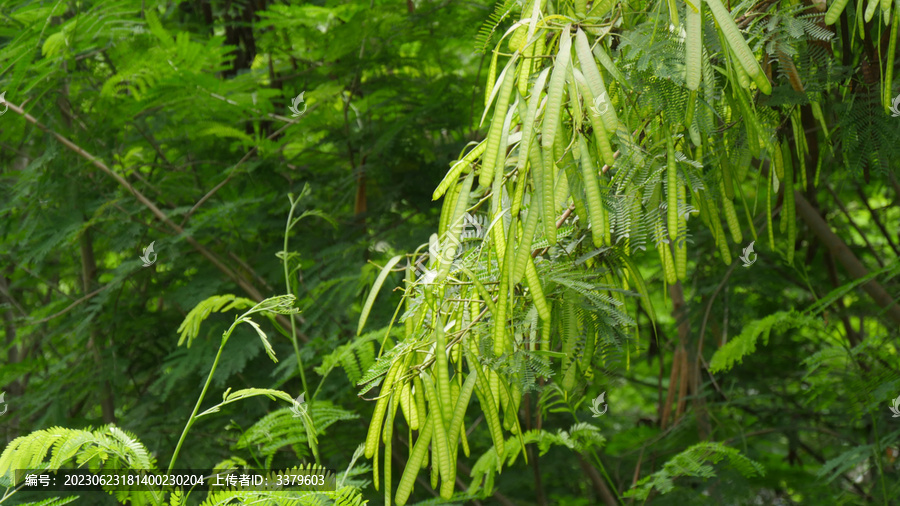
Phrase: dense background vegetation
(169, 122)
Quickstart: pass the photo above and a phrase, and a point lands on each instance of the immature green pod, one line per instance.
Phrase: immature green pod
(742, 78)
(548, 197)
(700, 204)
(492, 150)
(537, 292)
(500, 341)
(576, 190)
(561, 188)
(595, 81)
(517, 39)
(408, 406)
(680, 245)
(671, 186)
(419, 397)
(592, 192)
(453, 174)
(519, 194)
(597, 125)
(523, 253)
(465, 442)
(694, 27)
(719, 232)
(491, 79)
(789, 212)
(739, 45)
(525, 144)
(731, 216)
(441, 371)
(457, 425)
(587, 354)
(454, 229)
(580, 8)
(527, 63)
(749, 117)
(409, 323)
(888, 82)
(802, 147)
(600, 7)
(665, 255)
(834, 12)
(539, 47)
(870, 9)
(414, 464)
(494, 383)
(447, 208)
(504, 406)
(388, 436)
(726, 176)
(553, 109)
(514, 396)
(689, 112)
(769, 191)
(380, 408)
(489, 408)
(778, 160)
(576, 114)
(439, 437)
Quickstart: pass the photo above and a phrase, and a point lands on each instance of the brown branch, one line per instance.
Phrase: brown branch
(231, 174)
(842, 253)
(877, 221)
(855, 226)
(597, 482)
(243, 283)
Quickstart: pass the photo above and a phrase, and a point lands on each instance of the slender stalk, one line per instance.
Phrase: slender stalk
(287, 283)
(212, 371)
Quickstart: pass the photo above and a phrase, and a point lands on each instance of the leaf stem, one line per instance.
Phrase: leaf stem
(287, 282)
(193, 417)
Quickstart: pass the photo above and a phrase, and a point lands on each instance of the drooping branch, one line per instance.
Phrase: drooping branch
(251, 290)
(842, 254)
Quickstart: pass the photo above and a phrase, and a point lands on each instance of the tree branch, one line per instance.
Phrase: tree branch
(842, 253)
(243, 283)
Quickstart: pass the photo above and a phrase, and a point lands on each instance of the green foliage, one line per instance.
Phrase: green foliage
(280, 428)
(108, 447)
(540, 290)
(745, 344)
(56, 501)
(190, 327)
(579, 438)
(694, 462)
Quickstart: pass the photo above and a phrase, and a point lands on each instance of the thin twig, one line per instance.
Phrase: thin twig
(231, 174)
(243, 283)
(855, 226)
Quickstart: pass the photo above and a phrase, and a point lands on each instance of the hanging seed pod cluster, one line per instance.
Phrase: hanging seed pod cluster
(589, 155)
